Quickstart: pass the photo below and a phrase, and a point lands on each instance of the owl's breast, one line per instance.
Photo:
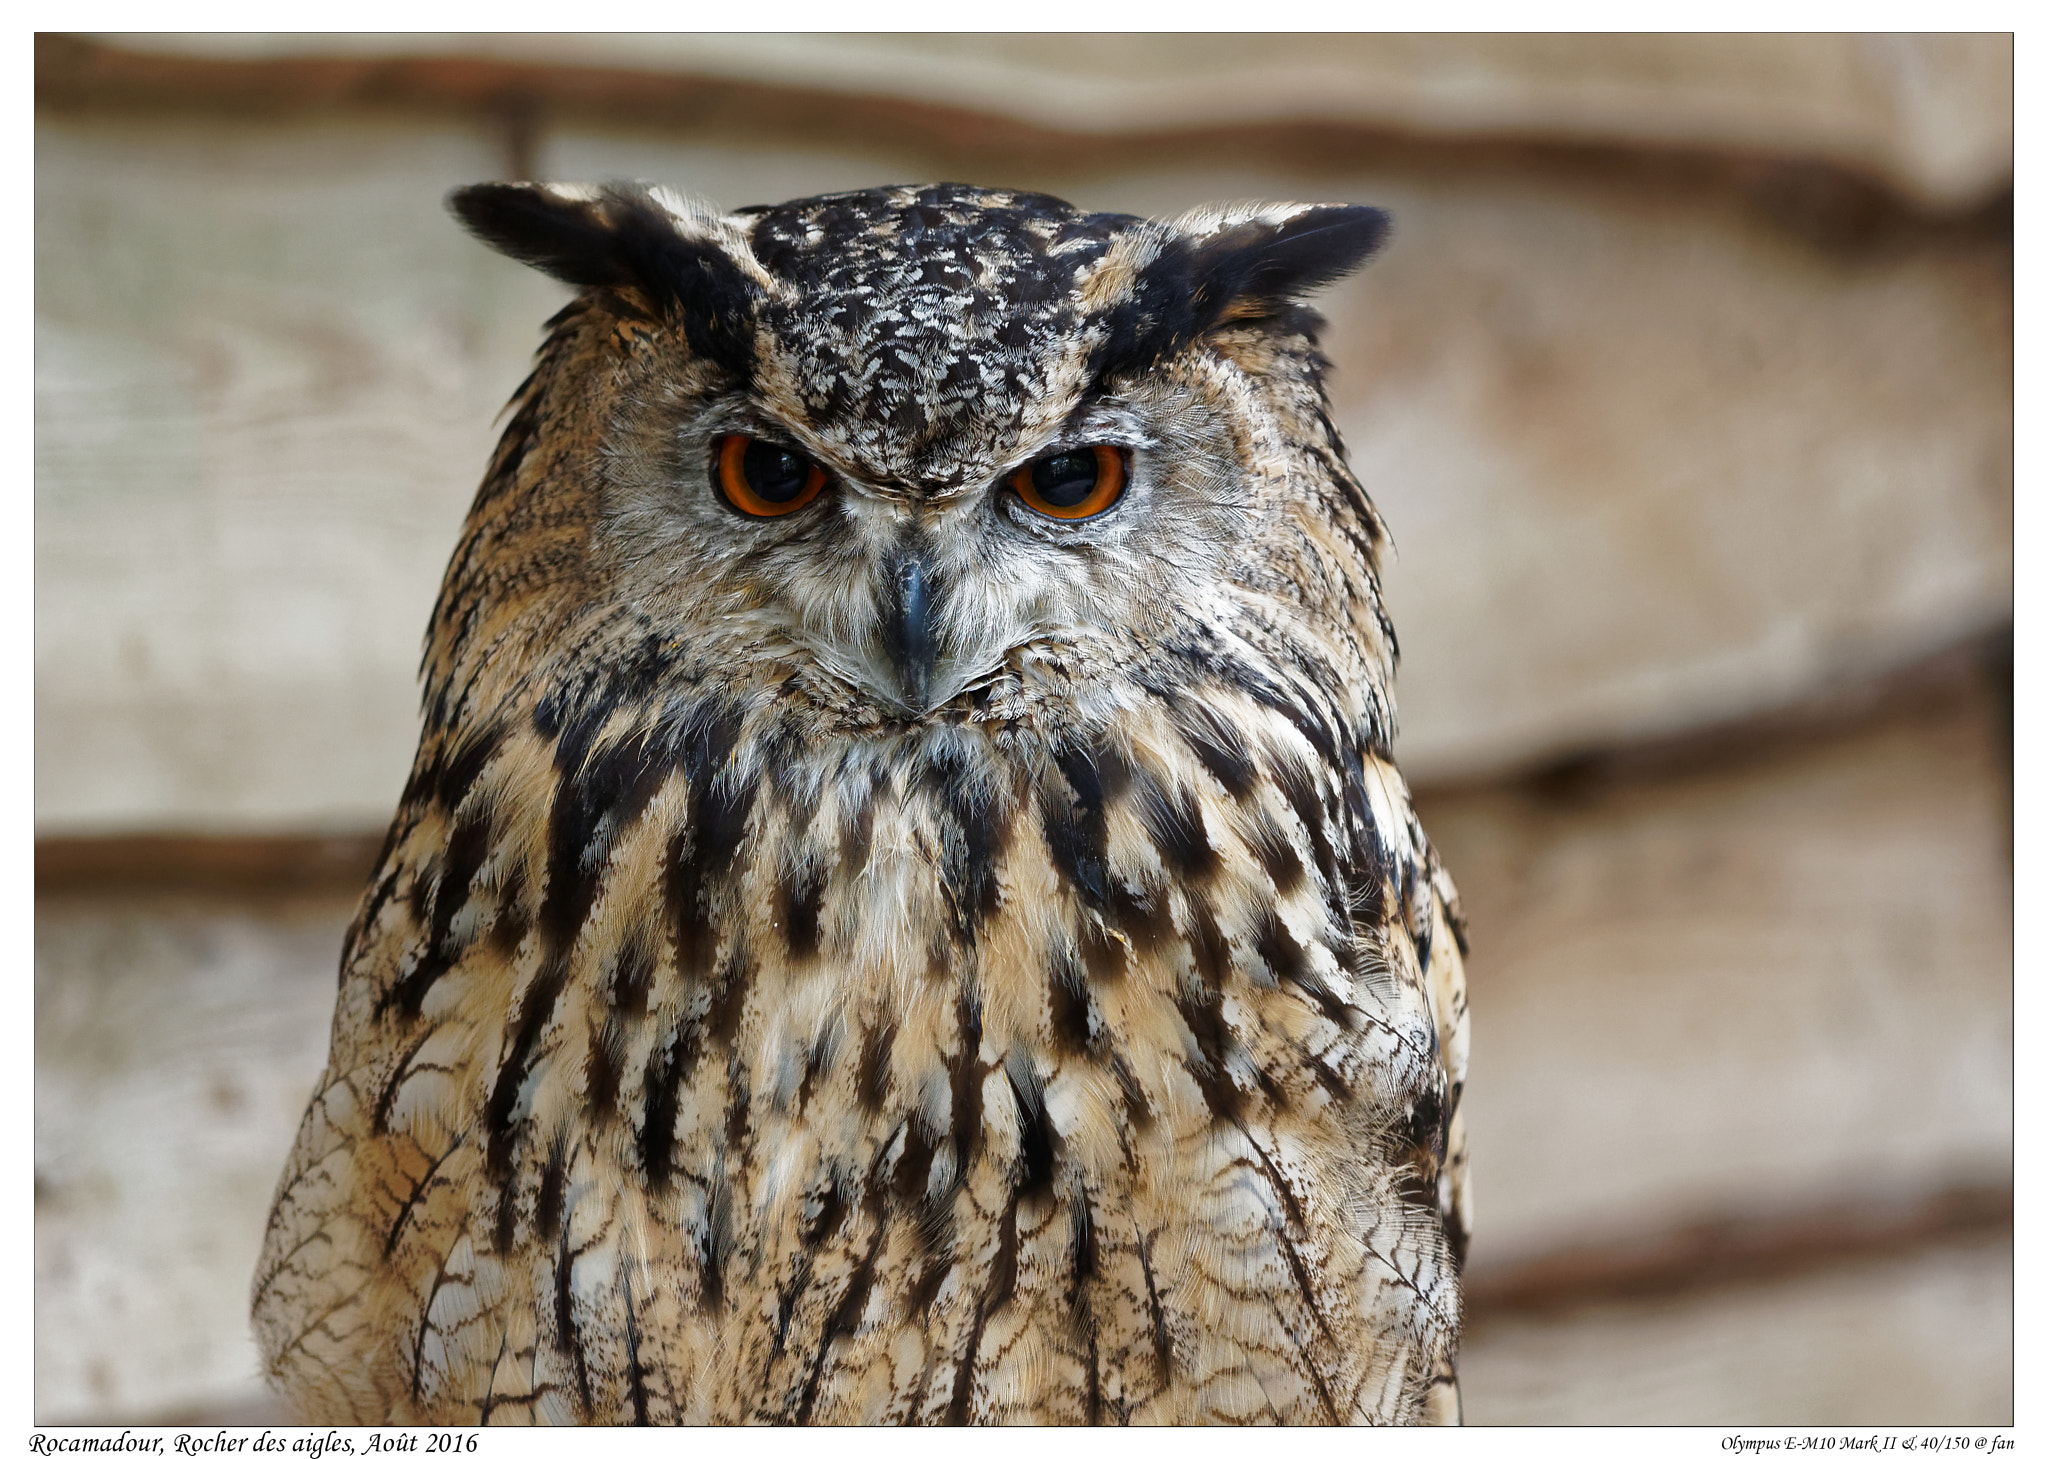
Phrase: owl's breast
(957, 1076)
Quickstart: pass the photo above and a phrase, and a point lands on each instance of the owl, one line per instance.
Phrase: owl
(903, 911)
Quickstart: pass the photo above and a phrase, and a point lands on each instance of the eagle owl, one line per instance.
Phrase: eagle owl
(902, 911)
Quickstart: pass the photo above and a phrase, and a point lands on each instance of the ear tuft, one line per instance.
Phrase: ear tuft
(554, 230)
(618, 237)
(1251, 267)
(1257, 267)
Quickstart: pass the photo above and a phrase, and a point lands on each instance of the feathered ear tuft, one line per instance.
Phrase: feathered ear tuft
(1255, 268)
(618, 237)
(1240, 268)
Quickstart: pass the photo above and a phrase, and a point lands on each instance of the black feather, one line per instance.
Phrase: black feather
(573, 241)
(621, 240)
(1268, 264)
(1252, 270)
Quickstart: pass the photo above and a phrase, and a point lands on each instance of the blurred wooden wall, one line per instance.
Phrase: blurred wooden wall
(1685, 387)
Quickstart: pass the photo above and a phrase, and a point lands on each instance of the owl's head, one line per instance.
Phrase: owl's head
(909, 441)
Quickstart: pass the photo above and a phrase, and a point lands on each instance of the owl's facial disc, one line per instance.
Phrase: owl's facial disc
(911, 593)
(775, 544)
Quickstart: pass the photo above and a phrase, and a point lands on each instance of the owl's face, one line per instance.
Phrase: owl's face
(914, 589)
(903, 444)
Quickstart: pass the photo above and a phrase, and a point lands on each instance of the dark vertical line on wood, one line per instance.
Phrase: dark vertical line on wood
(522, 119)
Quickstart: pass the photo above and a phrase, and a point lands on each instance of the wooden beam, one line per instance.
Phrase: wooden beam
(1738, 1249)
(1829, 204)
(226, 865)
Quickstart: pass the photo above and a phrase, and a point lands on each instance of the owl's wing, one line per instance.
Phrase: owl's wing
(1446, 984)
(1426, 908)
(1441, 955)
(1429, 912)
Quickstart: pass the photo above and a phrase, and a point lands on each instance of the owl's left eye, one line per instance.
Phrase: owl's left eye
(1072, 485)
(763, 479)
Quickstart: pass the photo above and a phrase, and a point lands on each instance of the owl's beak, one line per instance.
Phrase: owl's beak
(908, 635)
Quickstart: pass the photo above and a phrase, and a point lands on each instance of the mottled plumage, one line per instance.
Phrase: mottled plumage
(912, 959)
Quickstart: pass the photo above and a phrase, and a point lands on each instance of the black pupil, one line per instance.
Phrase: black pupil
(1064, 481)
(773, 474)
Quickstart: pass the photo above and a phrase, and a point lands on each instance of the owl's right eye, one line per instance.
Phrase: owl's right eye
(763, 479)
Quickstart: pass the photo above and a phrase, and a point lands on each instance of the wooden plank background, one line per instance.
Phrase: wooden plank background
(1685, 386)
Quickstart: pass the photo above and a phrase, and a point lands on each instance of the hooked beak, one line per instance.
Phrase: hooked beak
(908, 634)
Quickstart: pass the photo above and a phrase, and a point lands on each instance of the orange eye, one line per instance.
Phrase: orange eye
(764, 480)
(1073, 485)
